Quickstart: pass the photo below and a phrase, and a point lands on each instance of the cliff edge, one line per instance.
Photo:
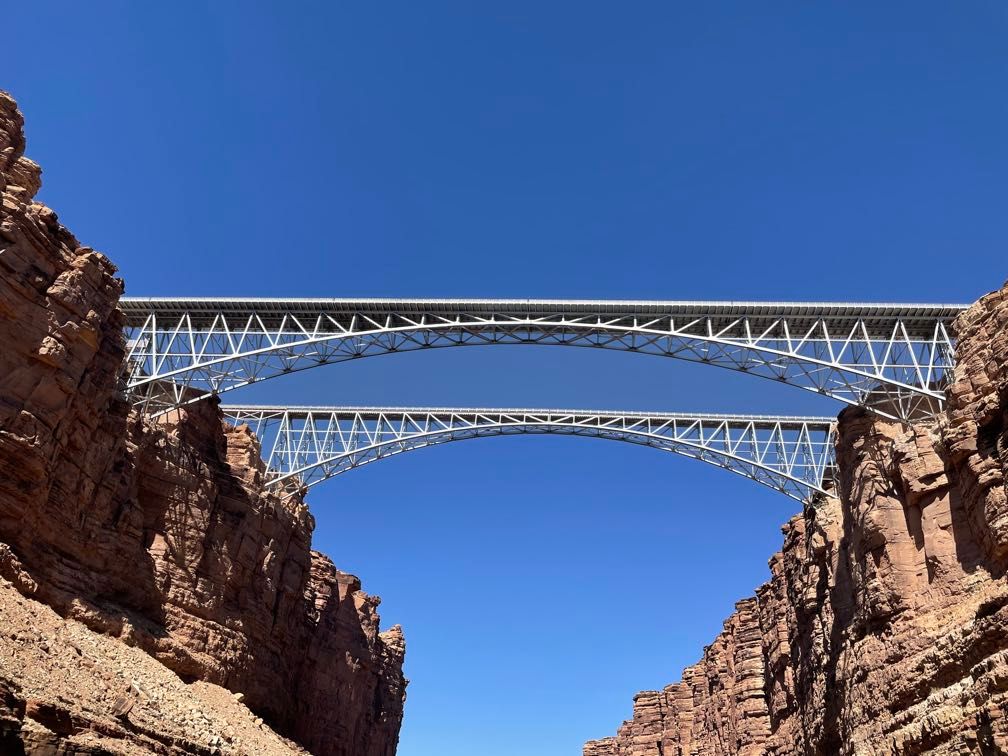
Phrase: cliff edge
(159, 534)
(884, 625)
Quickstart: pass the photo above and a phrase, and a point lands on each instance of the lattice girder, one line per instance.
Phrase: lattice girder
(303, 446)
(894, 359)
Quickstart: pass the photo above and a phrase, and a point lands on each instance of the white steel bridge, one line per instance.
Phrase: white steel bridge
(304, 446)
(894, 359)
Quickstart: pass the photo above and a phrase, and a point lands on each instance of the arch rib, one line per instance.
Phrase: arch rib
(308, 445)
(893, 359)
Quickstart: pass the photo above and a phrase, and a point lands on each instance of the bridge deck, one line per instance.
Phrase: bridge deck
(295, 411)
(918, 319)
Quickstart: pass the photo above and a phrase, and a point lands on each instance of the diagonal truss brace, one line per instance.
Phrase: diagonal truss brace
(303, 446)
(893, 359)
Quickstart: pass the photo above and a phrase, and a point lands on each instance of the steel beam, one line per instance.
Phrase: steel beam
(895, 359)
(303, 446)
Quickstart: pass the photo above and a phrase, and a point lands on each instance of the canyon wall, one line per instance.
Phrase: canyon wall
(160, 533)
(884, 625)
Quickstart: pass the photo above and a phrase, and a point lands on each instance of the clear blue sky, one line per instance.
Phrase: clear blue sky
(792, 150)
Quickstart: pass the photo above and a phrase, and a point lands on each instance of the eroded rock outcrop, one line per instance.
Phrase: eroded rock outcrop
(884, 625)
(67, 689)
(160, 533)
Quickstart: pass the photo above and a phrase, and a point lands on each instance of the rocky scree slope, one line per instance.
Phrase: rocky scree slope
(884, 625)
(160, 534)
(65, 689)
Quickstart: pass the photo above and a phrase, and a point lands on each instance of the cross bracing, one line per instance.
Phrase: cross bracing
(303, 446)
(892, 358)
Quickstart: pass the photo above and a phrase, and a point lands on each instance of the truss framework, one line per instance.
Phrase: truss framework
(303, 446)
(894, 359)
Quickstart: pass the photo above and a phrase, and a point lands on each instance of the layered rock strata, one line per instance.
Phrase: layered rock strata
(67, 689)
(161, 533)
(884, 625)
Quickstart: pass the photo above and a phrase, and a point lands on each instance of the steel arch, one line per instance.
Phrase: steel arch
(307, 445)
(893, 359)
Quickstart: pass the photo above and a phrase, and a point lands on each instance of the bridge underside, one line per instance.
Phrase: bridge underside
(893, 359)
(306, 446)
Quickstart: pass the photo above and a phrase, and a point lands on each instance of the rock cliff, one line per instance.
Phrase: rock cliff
(160, 533)
(884, 625)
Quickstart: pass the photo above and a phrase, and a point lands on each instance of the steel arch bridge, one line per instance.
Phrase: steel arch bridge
(894, 359)
(304, 446)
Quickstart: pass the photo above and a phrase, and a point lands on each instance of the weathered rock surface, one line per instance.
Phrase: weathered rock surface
(161, 533)
(884, 625)
(67, 689)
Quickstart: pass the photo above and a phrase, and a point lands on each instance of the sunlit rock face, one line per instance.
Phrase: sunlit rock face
(161, 533)
(884, 625)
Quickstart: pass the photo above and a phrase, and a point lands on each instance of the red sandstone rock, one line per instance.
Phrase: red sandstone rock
(67, 690)
(161, 533)
(884, 625)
